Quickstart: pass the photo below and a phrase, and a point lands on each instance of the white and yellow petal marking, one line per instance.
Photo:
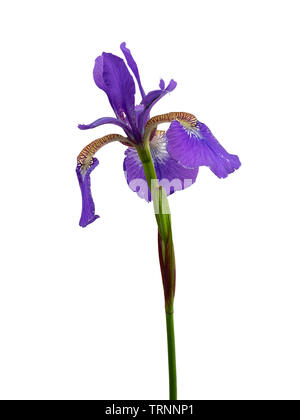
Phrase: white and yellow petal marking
(186, 119)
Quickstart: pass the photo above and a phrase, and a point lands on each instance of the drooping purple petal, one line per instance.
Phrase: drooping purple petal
(196, 146)
(102, 121)
(151, 99)
(171, 175)
(133, 66)
(134, 174)
(88, 207)
(112, 76)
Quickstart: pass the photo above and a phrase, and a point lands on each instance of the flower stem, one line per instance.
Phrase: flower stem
(171, 356)
(166, 255)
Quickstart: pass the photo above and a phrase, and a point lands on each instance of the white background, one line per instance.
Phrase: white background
(81, 310)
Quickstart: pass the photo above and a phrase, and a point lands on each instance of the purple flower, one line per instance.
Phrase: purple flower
(176, 153)
(112, 76)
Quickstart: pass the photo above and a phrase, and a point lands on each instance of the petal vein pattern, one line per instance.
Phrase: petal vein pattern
(172, 176)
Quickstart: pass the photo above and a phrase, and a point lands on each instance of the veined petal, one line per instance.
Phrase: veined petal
(152, 98)
(112, 76)
(86, 163)
(88, 207)
(134, 174)
(194, 146)
(172, 176)
(133, 66)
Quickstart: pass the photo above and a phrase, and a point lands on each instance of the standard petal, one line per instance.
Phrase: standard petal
(171, 175)
(98, 73)
(112, 76)
(133, 66)
(196, 146)
(88, 207)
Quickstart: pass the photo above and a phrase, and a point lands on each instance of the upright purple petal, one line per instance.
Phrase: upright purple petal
(151, 99)
(112, 76)
(98, 73)
(88, 207)
(196, 146)
(133, 66)
(171, 175)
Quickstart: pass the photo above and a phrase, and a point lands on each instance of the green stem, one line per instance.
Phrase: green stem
(160, 201)
(163, 219)
(171, 356)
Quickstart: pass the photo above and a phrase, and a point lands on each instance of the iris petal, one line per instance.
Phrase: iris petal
(171, 175)
(112, 76)
(88, 207)
(134, 174)
(196, 146)
(133, 66)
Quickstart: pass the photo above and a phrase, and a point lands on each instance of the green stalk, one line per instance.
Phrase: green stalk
(167, 258)
(171, 356)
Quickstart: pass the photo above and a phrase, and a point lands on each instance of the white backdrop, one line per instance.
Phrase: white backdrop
(81, 310)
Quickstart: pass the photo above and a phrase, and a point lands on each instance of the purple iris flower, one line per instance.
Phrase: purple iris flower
(177, 153)
(112, 76)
